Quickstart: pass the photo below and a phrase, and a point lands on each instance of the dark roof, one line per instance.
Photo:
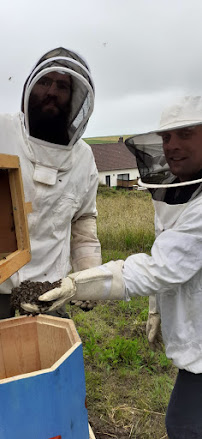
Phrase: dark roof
(112, 156)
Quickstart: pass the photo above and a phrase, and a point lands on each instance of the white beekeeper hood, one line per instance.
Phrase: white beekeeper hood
(148, 148)
(65, 61)
(48, 158)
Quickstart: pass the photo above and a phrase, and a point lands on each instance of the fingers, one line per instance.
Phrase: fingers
(66, 290)
(153, 331)
(152, 335)
(54, 294)
(57, 294)
(30, 308)
(57, 304)
(147, 328)
(86, 305)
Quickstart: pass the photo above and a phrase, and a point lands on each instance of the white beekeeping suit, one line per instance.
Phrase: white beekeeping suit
(60, 179)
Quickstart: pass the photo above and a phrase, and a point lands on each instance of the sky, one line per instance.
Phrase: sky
(143, 54)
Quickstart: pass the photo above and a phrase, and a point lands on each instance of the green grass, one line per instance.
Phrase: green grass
(125, 222)
(128, 385)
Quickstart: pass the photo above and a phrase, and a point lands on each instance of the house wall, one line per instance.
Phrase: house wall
(133, 174)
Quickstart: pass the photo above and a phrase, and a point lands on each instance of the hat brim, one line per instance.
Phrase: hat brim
(177, 125)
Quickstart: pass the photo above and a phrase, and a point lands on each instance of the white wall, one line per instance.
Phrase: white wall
(133, 174)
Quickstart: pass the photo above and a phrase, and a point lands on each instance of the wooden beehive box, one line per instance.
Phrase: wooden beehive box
(42, 381)
(14, 237)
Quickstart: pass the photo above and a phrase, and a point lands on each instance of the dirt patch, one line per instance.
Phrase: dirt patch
(28, 292)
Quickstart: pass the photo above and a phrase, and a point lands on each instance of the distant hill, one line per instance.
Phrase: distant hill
(105, 139)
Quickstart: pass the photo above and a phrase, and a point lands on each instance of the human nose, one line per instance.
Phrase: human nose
(173, 142)
(52, 89)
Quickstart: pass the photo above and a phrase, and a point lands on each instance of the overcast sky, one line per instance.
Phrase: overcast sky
(143, 54)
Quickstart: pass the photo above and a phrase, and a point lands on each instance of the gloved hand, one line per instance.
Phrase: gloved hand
(99, 283)
(153, 329)
(62, 293)
(86, 305)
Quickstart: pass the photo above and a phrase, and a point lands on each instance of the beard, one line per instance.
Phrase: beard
(49, 124)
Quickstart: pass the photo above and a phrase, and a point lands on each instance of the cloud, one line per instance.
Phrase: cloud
(142, 54)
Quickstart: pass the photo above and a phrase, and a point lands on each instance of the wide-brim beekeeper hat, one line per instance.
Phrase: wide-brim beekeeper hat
(148, 147)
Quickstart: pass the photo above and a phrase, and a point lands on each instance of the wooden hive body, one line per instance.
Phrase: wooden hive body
(14, 237)
(42, 385)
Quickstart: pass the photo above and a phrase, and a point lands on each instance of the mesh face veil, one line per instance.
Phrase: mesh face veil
(149, 149)
(65, 62)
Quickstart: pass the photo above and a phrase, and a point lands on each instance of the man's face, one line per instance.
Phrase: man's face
(51, 95)
(183, 151)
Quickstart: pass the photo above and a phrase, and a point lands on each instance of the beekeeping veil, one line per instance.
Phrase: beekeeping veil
(155, 173)
(65, 61)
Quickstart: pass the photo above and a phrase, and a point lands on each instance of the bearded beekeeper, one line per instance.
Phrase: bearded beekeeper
(58, 169)
(170, 165)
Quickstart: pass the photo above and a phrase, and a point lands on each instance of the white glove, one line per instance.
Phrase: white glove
(153, 327)
(99, 283)
(66, 285)
(153, 321)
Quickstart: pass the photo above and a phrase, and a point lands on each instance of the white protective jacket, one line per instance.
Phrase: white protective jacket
(59, 180)
(174, 273)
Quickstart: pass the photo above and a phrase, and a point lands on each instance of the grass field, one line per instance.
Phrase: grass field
(128, 385)
(105, 139)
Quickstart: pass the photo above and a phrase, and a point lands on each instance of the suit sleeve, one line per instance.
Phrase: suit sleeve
(175, 257)
(85, 245)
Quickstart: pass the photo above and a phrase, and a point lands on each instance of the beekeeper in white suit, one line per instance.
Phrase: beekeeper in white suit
(58, 169)
(170, 164)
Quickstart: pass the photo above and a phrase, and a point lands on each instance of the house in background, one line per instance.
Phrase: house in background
(116, 165)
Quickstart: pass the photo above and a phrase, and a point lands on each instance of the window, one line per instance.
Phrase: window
(123, 177)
